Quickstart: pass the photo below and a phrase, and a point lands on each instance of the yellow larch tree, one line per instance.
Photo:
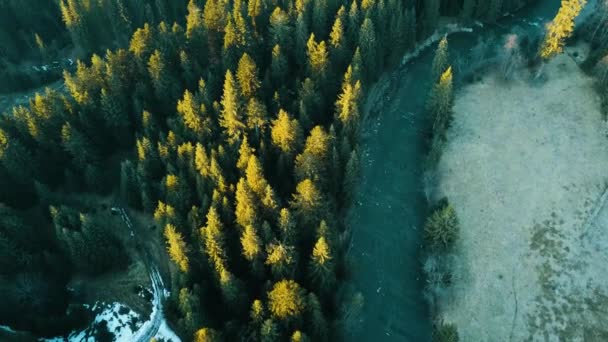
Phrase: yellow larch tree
(176, 247)
(561, 27)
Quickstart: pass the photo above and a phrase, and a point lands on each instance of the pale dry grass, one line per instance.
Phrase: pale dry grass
(525, 167)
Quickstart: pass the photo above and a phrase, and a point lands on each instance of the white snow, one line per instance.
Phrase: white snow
(117, 323)
(7, 329)
(165, 333)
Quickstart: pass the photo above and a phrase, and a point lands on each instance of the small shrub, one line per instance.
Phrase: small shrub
(445, 332)
(441, 227)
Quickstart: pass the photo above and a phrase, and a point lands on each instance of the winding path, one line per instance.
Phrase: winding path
(157, 319)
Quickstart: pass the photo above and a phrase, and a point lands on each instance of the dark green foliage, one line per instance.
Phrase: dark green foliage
(445, 332)
(90, 245)
(441, 228)
(234, 123)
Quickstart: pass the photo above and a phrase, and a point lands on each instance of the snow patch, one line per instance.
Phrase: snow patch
(120, 320)
(7, 329)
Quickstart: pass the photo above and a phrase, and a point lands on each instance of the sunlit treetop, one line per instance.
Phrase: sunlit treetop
(176, 247)
(561, 27)
(286, 299)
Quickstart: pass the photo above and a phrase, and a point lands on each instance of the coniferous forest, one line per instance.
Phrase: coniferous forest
(232, 124)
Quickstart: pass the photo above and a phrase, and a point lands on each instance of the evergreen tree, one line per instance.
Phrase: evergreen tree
(441, 102)
(318, 58)
(286, 133)
(441, 60)
(231, 116)
(207, 335)
(194, 116)
(561, 27)
(282, 260)
(177, 248)
(322, 265)
(337, 42)
(247, 76)
(255, 176)
(278, 66)
(269, 332)
(316, 318)
(369, 49)
(308, 203)
(286, 299)
(246, 205)
(257, 116)
(348, 103)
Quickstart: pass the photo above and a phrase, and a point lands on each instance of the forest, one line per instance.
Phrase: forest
(233, 124)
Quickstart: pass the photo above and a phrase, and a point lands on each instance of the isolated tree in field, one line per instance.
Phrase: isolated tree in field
(445, 332)
(561, 27)
(441, 227)
(177, 248)
(511, 55)
(286, 299)
(441, 60)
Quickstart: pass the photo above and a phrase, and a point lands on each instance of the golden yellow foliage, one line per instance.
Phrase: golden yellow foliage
(176, 247)
(163, 150)
(251, 243)
(257, 310)
(279, 254)
(446, 77)
(321, 253)
(255, 175)
(206, 335)
(171, 182)
(285, 299)
(285, 132)
(163, 211)
(3, 142)
(143, 145)
(561, 27)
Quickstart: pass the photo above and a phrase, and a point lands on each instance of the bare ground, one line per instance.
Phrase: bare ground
(526, 168)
